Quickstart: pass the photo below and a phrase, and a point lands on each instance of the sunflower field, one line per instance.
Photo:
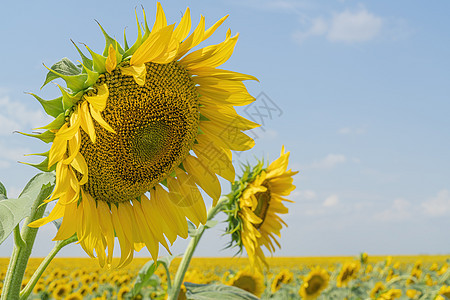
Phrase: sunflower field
(363, 277)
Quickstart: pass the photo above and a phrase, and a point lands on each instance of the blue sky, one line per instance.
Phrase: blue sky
(360, 92)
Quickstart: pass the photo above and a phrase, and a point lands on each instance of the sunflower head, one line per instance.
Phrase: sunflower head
(348, 272)
(255, 202)
(314, 283)
(140, 120)
(249, 280)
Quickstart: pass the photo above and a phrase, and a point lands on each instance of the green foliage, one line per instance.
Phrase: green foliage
(2, 192)
(12, 211)
(216, 291)
(146, 276)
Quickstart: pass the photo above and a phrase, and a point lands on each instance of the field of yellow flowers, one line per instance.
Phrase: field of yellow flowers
(363, 277)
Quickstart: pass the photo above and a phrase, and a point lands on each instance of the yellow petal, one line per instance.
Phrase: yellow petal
(216, 158)
(99, 100)
(56, 213)
(193, 40)
(228, 136)
(111, 60)
(160, 21)
(137, 71)
(86, 121)
(183, 28)
(155, 45)
(221, 74)
(213, 28)
(203, 176)
(98, 117)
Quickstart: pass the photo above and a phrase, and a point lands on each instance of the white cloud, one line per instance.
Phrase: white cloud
(439, 205)
(351, 27)
(351, 131)
(399, 210)
(9, 155)
(331, 201)
(346, 26)
(329, 161)
(14, 115)
(304, 194)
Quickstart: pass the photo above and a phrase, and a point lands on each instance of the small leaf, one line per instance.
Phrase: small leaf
(2, 192)
(63, 67)
(56, 123)
(144, 277)
(216, 291)
(46, 136)
(192, 230)
(211, 223)
(42, 166)
(52, 107)
(12, 211)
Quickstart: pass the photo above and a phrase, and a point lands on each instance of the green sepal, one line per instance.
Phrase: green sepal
(52, 107)
(92, 76)
(203, 118)
(125, 41)
(146, 30)
(63, 67)
(56, 123)
(46, 136)
(86, 61)
(109, 41)
(43, 166)
(46, 154)
(98, 61)
(138, 42)
(69, 100)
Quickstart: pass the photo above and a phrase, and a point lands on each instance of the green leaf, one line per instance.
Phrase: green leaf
(216, 291)
(192, 230)
(52, 107)
(61, 69)
(42, 166)
(2, 192)
(12, 211)
(46, 136)
(109, 41)
(86, 61)
(56, 123)
(144, 277)
(211, 223)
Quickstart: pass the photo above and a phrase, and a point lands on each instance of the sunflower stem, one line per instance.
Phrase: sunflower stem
(23, 244)
(182, 268)
(40, 270)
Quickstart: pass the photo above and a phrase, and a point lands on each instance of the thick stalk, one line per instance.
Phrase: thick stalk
(38, 273)
(182, 268)
(24, 241)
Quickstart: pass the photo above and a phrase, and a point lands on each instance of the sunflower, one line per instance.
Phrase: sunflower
(249, 280)
(257, 199)
(445, 291)
(122, 292)
(145, 118)
(61, 291)
(391, 294)
(285, 276)
(74, 296)
(314, 283)
(348, 272)
(377, 289)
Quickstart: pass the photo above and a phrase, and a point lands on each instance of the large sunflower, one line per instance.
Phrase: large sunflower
(145, 118)
(257, 200)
